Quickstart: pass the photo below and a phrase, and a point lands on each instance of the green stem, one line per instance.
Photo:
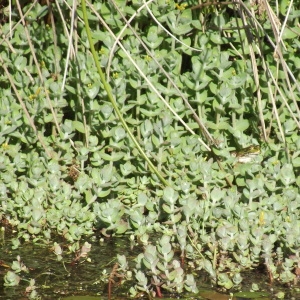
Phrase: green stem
(107, 88)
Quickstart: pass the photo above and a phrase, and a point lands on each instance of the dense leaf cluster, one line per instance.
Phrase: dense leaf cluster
(69, 167)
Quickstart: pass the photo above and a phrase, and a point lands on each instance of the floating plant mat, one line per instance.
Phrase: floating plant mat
(85, 279)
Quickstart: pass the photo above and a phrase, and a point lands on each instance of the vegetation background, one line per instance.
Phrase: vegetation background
(145, 147)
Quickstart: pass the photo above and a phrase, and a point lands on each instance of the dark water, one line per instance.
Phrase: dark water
(60, 280)
(55, 279)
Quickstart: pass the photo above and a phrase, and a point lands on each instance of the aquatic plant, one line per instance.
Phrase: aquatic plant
(191, 133)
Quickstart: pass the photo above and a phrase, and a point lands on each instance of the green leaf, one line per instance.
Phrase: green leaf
(115, 156)
(8, 130)
(287, 175)
(78, 126)
(215, 38)
(289, 34)
(88, 196)
(92, 91)
(284, 4)
(103, 193)
(170, 195)
(241, 125)
(296, 162)
(20, 63)
(167, 208)
(218, 126)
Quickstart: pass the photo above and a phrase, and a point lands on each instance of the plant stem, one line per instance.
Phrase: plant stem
(108, 89)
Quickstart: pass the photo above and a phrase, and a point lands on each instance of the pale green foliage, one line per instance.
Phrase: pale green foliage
(77, 169)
